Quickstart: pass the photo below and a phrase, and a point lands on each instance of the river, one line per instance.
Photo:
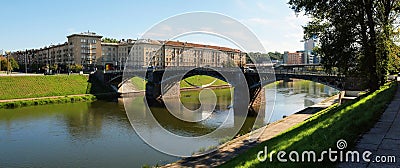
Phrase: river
(99, 134)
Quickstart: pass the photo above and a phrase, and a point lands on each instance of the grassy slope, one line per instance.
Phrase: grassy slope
(322, 131)
(139, 83)
(14, 87)
(199, 80)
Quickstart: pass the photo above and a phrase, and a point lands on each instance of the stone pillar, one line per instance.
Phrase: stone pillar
(171, 90)
(153, 91)
(240, 107)
(260, 97)
(258, 102)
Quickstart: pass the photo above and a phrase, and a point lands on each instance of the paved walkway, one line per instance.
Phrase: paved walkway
(20, 74)
(236, 146)
(383, 139)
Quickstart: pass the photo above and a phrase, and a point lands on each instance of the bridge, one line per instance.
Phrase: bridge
(164, 83)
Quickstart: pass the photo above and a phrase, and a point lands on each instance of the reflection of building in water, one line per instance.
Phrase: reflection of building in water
(84, 124)
(312, 89)
(329, 91)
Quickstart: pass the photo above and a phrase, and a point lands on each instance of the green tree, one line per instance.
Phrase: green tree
(356, 37)
(109, 40)
(13, 64)
(263, 57)
(75, 67)
(275, 55)
(3, 64)
(54, 67)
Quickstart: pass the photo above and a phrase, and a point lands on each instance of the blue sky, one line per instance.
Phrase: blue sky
(34, 24)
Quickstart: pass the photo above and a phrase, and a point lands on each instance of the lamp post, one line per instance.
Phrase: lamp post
(120, 63)
(26, 70)
(69, 63)
(0, 59)
(8, 53)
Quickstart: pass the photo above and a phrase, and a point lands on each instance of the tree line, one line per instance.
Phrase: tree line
(264, 57)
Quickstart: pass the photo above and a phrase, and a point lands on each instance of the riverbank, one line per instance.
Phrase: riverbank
(208, 87)
(14, 103)
(321, 131)
(233, 148)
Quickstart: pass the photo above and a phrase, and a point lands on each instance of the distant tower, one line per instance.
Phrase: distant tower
(309, 56)
(285, 57)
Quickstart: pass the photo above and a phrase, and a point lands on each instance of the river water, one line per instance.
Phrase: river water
(99, 134)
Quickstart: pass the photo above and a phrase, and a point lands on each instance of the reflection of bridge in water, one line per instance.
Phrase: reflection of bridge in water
(163, 83)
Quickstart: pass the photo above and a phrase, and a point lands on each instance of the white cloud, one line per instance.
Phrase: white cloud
(261, 21)
(261, 6)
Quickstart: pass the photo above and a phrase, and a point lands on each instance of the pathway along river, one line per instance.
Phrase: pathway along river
(98, 134)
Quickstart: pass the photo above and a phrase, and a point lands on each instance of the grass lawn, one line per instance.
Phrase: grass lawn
(199, 80)
(14, 87)
(139, 83)
(322, 131)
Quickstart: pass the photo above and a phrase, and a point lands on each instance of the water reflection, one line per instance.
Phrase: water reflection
(158, 126)
(98, 134)
(296, 95)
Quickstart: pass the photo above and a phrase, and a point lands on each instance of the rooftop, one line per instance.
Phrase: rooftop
(86, 34)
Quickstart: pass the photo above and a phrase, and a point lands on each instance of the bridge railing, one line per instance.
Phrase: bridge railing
(313, 70)
(317, 71)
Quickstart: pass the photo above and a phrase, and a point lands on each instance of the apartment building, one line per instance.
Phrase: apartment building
(309, 56)
(292, 57)
(83, 49)
(86, 49)
(109, 53)
(200, 55)
(146, 52)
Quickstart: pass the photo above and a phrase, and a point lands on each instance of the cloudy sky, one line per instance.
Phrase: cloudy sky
(35, 24)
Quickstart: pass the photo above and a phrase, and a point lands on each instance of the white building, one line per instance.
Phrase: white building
(309, 56)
